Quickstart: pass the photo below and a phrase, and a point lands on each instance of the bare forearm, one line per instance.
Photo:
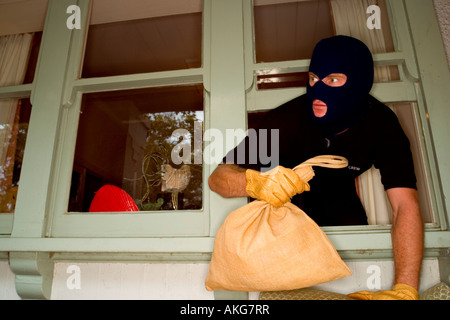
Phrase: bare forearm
(228, 180)
(407, 242)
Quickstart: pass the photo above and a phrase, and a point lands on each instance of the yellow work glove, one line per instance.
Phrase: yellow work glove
(398, 292)
(276, 186)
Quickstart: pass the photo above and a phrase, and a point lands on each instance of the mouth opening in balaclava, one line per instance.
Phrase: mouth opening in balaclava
(346, 104)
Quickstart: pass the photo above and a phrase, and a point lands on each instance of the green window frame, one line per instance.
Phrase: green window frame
(40, 231)
(412, 87)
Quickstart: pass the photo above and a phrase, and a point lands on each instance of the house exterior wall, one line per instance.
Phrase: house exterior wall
(185, 281)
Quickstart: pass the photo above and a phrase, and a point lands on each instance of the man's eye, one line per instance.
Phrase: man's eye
(335, 80)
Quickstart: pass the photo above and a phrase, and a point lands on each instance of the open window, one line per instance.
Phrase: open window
(285, 33)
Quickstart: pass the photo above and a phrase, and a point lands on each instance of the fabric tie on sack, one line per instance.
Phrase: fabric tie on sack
(261, 247)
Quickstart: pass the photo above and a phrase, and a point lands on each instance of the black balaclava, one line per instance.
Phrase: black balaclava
(347, 104)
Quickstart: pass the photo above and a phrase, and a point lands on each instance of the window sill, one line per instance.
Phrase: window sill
(6, 223)
(350, 246)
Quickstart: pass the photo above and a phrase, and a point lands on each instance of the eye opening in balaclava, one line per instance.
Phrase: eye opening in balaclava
(346, 104)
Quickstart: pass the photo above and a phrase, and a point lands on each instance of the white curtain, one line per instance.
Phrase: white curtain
(14, 53)
(350, 19)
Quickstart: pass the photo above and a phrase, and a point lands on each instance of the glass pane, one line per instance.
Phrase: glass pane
(14, 120)
(18, 58)
(21, 25)
(26, 16)
(283, 80)
(144, 142)
(351, 18)
(143, 37)
(290, 30)
(300, 79)
(32, 61)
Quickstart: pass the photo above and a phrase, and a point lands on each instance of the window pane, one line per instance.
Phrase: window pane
(350, 18)
(284, 80)
(21, 25)
(33, 58)
(289, 31)
(300, 79)
(132, 139)
(14, 119)
(144, 37)
(18, 58)
(23, 16)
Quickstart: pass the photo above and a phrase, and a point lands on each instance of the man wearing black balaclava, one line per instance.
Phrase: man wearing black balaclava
(338, 116)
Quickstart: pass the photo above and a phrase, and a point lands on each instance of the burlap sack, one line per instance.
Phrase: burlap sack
(260, 247)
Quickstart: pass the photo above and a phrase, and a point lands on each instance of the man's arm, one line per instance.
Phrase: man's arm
(407, 235)
(407, 243)
(228, 180)
(276, 186)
